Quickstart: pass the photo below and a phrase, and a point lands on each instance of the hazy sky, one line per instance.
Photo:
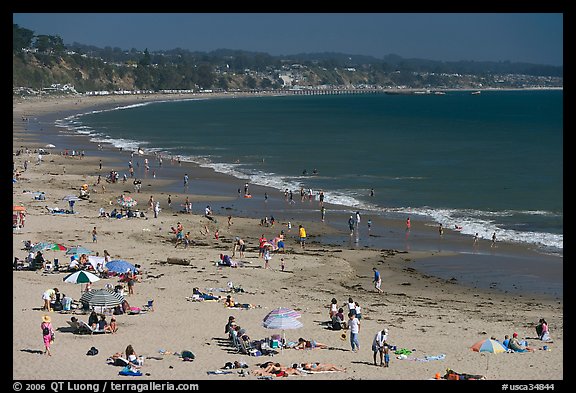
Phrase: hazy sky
(517, 37)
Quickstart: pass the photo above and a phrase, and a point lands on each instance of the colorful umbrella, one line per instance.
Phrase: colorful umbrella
(126, 201)
(47, 246)
(102, 298)
(488, 345)
(78, 250)
(282, 319)
(282, 312)
(120, 266)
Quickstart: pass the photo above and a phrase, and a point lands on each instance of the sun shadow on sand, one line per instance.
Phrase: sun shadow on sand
(225, 344)
(36, 351)
(364, 362)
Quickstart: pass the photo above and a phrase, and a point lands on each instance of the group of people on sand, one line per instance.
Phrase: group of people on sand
(278, 370)
(516, 345)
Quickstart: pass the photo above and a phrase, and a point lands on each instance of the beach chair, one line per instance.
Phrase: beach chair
(84, 326)
(149, 306)
(75, 326)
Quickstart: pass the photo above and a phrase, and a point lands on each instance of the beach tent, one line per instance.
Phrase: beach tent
(94, 261)
(18, 217)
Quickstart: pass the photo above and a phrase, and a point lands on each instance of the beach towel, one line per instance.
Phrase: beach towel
(219, 372)
(128, 371)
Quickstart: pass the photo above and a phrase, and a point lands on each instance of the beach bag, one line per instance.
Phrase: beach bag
(45, 331)
(188, 355)
(92, 352)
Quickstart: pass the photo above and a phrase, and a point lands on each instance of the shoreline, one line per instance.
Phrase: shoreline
(386, 233)
(415, 306)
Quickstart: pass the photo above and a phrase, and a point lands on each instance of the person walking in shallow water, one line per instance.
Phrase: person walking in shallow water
(408, 224)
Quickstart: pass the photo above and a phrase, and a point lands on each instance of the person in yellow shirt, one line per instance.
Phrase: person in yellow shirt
(302, 234)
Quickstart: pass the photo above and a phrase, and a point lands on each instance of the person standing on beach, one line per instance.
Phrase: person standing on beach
(377, 280)
(476, 239)
(267, 257)
(302, 235)
(185, 180)
(47, 333)
(493, 240)
(323, 213)
(351, 225)
(354, 327)
(94, 235)
(408, 224)
(441, 230)
(169, 200)
(357, 220)
(378, 346)
(156, 209)
(100, 165)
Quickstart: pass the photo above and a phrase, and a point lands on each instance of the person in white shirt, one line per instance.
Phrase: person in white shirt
(379, 345)
(354, 327)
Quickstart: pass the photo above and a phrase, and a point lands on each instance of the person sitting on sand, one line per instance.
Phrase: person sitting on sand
(93, 320)
(338, 322)
(132, 357)
(230, 303)
(111, 327)
(515, 345)
(316, 367)
(102, 323)
(309, 344)
(542, 330)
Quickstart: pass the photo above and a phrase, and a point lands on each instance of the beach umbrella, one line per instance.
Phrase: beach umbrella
(41, 246)
(71, 198)
(120, 266)
(488, 345)
(282, 312)
(101, 298)
(78, 250)
(81, 277)
(280, 319)
(126, 201)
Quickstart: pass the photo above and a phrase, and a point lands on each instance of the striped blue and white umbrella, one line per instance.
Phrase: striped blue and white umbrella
(102, 298)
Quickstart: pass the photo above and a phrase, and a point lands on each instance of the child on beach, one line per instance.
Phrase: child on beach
(267, 257)
(47, 333)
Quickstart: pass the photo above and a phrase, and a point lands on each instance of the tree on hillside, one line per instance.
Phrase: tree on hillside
(21, 38)
(49, 44)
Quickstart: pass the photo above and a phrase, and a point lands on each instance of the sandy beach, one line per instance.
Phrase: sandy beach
(437, 320)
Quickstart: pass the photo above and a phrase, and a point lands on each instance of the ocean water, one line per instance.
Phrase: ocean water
(488, 163)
